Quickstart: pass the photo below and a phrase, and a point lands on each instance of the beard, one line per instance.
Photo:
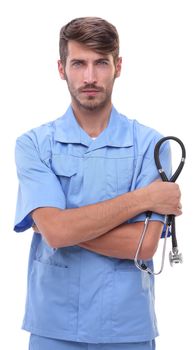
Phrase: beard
(90, 102)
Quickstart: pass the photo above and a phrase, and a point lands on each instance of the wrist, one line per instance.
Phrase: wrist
(140, 201)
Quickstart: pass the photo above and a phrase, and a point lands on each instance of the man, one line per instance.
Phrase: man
(86, 181)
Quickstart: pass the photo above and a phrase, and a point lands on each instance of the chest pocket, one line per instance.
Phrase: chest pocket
(124, 172)
(119, 175)
(96, 177)
(119, 168)
(67, 170)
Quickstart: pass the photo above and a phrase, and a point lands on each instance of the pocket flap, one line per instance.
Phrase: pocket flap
(64, 165)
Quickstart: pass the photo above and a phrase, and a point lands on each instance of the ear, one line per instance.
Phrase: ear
(61, 70)
(118, 67)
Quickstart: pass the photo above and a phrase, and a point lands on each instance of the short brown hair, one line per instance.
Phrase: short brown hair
(94, 32)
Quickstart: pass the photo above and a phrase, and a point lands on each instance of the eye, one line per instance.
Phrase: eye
(77, 64)
(102, 62)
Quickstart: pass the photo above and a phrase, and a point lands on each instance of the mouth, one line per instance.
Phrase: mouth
(90, 92)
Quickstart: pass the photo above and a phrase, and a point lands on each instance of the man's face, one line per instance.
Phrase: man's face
(90, 76)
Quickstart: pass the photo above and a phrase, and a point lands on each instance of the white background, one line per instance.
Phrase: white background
(157, 87)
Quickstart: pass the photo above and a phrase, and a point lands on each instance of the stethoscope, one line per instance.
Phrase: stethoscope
(174, 256)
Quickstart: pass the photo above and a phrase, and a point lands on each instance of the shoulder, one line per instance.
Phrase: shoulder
(40, 138)
(139, 128)
(146, 133)
(144, 137)
(41, 134)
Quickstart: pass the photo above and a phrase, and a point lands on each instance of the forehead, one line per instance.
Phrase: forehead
(80, 51)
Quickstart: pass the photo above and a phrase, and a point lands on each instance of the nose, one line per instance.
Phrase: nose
(90, 75)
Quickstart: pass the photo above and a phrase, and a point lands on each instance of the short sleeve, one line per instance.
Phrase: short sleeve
(38, 184)
(146, 172)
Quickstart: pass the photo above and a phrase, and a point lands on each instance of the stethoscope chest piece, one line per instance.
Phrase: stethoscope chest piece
(175, 257)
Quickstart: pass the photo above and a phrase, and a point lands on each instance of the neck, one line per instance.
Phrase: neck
(93, 122)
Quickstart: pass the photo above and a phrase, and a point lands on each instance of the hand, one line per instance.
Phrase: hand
(164, 198)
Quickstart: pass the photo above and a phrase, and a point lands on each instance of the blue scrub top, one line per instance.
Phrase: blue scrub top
(72, 293)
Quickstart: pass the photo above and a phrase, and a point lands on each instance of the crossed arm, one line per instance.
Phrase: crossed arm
(122, 242)
(100, 227)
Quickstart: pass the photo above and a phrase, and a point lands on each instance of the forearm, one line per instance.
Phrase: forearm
(122, 242)
(73, 226)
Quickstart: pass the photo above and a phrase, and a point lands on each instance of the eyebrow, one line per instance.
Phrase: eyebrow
(102, 59)
(77, 60)
(84, 60)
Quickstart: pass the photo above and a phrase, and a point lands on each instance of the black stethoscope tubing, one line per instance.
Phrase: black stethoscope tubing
(170, 218)
(174, 256)
(158, 163)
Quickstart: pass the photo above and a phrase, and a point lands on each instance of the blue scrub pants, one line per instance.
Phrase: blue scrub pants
(42, 343)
